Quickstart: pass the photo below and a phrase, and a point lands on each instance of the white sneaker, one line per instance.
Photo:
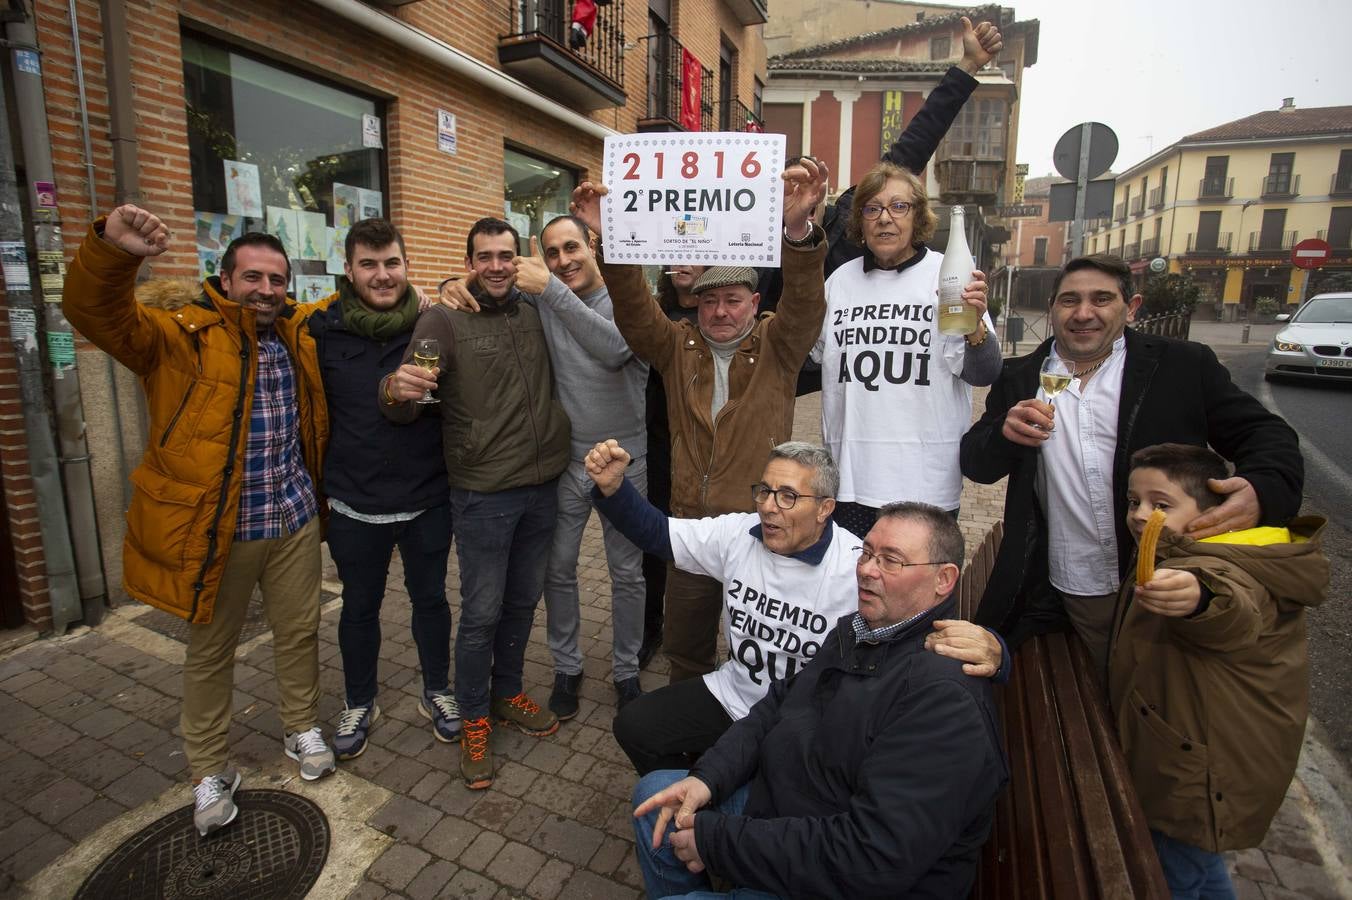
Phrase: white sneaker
(311, 751)
(214, 801)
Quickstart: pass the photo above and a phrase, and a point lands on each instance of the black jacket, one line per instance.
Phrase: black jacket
(873, 773)
(373, 465)
(911, 151)
(1172, 391)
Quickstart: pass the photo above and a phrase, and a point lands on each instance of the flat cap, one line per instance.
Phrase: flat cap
(724, 276)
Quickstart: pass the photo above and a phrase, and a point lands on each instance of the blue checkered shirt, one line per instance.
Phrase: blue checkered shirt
(863, 635)
(276, 494)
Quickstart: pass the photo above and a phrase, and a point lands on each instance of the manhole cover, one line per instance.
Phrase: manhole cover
(275, 848)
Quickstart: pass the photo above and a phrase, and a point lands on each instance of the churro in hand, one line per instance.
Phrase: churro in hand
(1145, 554)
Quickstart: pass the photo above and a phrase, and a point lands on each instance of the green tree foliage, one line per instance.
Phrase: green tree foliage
(1169, 293)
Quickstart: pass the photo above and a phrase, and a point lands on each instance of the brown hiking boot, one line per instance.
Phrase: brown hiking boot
(526, 714)
(476, 756)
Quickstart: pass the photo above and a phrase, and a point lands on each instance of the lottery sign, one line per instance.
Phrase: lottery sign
(709, 198)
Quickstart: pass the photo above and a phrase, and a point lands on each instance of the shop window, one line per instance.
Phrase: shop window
(940, 47)
(537, 191)
(274, 150)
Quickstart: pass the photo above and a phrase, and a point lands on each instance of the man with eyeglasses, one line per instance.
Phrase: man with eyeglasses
(788, 574)
(872, 773)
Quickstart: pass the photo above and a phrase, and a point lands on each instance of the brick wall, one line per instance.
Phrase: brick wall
(20, 501)
(433, 197)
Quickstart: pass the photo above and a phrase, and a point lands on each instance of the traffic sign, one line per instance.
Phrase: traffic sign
(1101, 152)
(1310, 253)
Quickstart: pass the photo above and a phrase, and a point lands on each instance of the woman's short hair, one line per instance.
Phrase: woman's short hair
(923, 219)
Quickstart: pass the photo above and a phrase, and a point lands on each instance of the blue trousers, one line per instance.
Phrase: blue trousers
(362, 552)
(664, 875)
(1192, 873)
(502, 540)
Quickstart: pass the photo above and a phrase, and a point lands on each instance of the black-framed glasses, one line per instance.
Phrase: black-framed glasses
(890, 564)
(785, 498)
(897, 209)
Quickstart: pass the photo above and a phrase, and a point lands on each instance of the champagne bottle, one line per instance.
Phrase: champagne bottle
(956, 317)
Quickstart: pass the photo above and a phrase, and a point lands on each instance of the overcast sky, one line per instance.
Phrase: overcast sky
(1155, 70)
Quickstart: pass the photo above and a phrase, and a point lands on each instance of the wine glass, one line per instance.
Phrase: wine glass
(426, 355)
(1055, 377)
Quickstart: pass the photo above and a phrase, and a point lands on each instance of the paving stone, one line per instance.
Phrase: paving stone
(481, 851)
(547, 756)
(62, 798)
(24, 775)
(610, 854)
(1310, 881)
(549, 881)
(493, 810)
(629, 871)
(467, 885)
(429, 785)
(74, 707)
(138, 786)
(449, 837)
(1246, 889)
(515, 865)
(109, 685)
(94, 816)
(398, 865)
(1253, 864)
(36, 855)
(586, 885)
(102, 722)
(369, 890)
(1273, 892)
(401, 775)
(577, 766)
(19, 833)
(405, 819)
(137, 735)
(558, 795)
(370, 763)
(45, 736)
(566, 839)
(523, 825)
(20, 680)
(514, 778)
(431, 881)
(1285, 841)
(616, 780)
(168, 757)
(13, 665)
(412, 740)
(112, 764)
(455, 799)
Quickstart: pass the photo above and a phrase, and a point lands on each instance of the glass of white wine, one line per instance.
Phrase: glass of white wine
(426, 355)
(1056, 376)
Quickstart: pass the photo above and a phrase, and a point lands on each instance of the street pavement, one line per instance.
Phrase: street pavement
(90, 752)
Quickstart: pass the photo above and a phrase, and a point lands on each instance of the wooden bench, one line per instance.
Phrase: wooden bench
(1069, 824)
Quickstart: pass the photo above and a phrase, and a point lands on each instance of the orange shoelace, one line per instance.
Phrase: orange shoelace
(476, 737)
(525, 704)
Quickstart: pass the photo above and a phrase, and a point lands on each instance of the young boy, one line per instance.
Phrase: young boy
(1207, 674)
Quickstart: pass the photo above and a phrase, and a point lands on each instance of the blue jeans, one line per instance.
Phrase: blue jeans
(362, 552)
(663, 874)
(502, 541)
(1192, 873)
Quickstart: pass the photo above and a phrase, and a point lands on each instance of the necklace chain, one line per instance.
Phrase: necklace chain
(1092, 369)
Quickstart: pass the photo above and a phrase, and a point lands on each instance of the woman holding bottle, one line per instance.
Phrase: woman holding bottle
(897, 375)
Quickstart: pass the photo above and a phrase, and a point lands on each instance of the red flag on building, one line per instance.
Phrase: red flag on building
(691, 72)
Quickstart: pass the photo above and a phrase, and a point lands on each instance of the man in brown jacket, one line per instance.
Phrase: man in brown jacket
(227, 496)
(730, 387)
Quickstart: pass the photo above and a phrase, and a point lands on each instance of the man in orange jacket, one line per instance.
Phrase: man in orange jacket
(227, 496)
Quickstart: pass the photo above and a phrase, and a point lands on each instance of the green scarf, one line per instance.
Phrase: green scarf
(377, 325)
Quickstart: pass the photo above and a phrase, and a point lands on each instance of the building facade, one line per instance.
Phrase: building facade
(1036, 248)
(1226, 206)
(301, 118)
(846, 100)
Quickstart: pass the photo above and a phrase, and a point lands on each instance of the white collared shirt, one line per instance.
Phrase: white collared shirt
(1075, 481)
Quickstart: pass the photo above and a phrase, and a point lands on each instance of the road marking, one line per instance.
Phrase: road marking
(1316, 457)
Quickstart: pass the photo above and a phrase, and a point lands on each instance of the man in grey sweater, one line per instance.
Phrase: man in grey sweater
(601, 386)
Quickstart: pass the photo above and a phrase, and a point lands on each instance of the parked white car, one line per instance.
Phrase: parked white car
(1316, 342)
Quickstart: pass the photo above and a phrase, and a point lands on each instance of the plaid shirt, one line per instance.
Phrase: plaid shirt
(863, 635)
(276, 494)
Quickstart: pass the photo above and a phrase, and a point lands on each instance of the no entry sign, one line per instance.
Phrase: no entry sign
(1310, 253)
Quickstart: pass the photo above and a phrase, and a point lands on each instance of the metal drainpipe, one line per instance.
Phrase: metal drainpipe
(74, 460)
(42, 462)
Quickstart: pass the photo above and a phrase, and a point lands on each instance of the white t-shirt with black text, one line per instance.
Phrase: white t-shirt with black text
(776, 609)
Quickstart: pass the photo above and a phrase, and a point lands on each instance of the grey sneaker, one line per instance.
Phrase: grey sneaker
(349, 738)
(214, 801)
(441, 708)
(310, 750)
